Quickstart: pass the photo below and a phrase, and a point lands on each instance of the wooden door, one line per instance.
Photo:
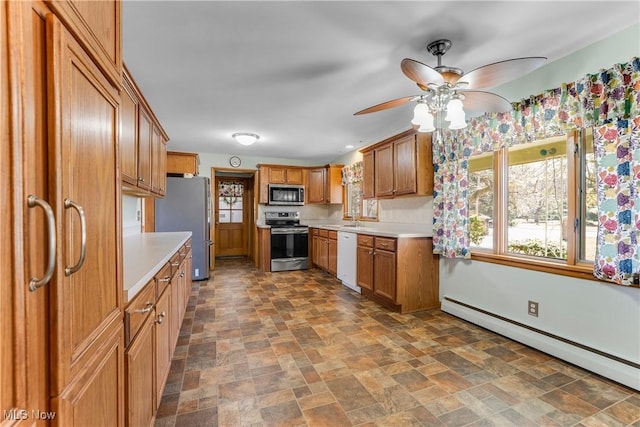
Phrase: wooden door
(295, 176)
(145, 144)
(128, 134)
(315, 191)
(87, 336)
(24, 254)
(232, 205)
(404, 165)
(323, 252)
(158, 163)
(383, 179)
(384, 272)
(332, 256)
(162, 341)
(277, 175)
(368, 171)
(365, 267)
(141, 404)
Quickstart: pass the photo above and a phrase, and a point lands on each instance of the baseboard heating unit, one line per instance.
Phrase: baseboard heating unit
(618, 369)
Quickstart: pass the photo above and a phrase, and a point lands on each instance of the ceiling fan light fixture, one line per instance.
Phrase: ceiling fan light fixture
(245, 138)
(455, 114)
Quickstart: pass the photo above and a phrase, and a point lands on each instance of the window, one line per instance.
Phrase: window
(230, 202)
(535, 203)
(357, 207)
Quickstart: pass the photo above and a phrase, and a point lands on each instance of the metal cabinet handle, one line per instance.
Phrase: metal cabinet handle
(68, 203)
(165, 279)
(175, 264)
(160, 318)
(148, 307)
(35, 283)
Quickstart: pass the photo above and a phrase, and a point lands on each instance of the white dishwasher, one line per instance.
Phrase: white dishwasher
(347, 259)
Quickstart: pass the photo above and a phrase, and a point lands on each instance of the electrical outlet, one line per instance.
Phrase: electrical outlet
(533, 308)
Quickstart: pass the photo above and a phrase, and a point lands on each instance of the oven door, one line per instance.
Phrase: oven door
(289, 249)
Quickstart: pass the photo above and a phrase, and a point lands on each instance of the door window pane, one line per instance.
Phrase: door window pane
(230, 202)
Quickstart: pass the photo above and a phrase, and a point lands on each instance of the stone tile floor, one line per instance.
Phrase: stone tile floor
(299, 349)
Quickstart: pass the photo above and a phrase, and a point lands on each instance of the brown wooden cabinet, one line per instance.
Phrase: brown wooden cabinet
(143, 151)
(62, 338)
(278, 174)
(398, 166)
(401, 274)
(324, 249)
(152, 323)
(181, 163)
(324, 184)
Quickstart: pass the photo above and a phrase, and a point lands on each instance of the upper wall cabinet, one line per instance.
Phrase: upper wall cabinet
(325, 184)
(96, 25)
(142, 144)
(398, 166)
(181, 163)
(278, 174)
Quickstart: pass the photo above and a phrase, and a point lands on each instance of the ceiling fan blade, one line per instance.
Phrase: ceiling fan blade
(501, 72)
(477, 102)
(420, 73)
(386, 105)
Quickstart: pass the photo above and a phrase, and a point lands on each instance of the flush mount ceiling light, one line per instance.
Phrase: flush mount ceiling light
(449, 90)
(245, 138)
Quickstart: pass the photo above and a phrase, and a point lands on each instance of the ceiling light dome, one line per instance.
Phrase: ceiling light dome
(245, 138)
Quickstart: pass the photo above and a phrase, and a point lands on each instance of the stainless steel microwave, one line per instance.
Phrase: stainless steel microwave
(286, 195)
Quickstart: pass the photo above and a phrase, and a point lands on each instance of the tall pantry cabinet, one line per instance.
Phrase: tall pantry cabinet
(61, 329)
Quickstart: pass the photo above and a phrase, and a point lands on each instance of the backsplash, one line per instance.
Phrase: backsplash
(406, 210)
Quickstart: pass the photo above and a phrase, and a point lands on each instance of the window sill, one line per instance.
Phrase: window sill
(583, 271)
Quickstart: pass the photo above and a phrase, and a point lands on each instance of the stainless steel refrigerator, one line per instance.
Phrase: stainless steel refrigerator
(187, 207)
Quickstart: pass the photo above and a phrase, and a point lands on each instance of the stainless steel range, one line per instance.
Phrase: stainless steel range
(289, 241)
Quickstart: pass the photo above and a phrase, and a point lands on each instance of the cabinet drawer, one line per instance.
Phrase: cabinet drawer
(323, 233)
(137, 311)
(333, 234)
(314, 231)
(365, 240)
(163, 278)
(175, 263)
(386, 244)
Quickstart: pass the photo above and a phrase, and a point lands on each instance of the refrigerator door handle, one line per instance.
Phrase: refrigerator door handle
(209, 242)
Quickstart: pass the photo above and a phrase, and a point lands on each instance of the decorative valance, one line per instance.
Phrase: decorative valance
(352, 173)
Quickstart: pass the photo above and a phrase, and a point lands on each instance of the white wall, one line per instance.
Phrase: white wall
(603, 316)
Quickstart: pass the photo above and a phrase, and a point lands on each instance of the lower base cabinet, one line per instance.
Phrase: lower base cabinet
(324, 249)
(401, 274)
(152, 322)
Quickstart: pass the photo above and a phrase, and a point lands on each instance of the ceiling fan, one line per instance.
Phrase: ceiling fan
(450, 89)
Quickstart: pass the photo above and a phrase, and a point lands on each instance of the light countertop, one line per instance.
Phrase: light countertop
(144, 254)
(385, 229)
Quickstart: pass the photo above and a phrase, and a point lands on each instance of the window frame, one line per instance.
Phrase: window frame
(572, 266)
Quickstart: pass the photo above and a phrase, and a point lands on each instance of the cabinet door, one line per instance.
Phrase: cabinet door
(365, 267)
(383, 179)
(145, 144)
(315, 193)
(140, 377)
(162, 341)
(368, 171)
(385, 274)
(86, 296)
(277, 175)
(173, 318)
(158, 163)
(404, 165)
(332, 254)
(295, 176)
(128, 134)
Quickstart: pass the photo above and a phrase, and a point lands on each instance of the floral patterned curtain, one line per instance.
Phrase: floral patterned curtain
(594, 100)
(230, 190)
(450, 201)
(617, 153)
(352, 173)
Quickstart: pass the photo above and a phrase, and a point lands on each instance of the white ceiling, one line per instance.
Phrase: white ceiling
(294, 72)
